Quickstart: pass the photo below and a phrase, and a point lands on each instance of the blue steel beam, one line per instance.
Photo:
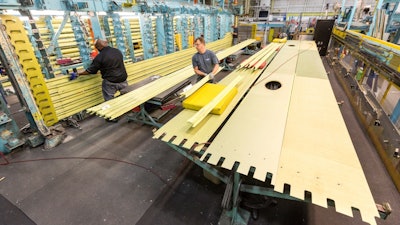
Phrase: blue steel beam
(37, 42)
(396, 113)
(393, 20)
(161, 42)
(147, 35)
(96, 28)
(128, 38)
(107, 30)
(207, 26)
(198, 26)
(342, 10)
(214, 28)
(378, 7)
(169, 32)
(353, 11)
(51, 29)
(54, 42)
(81, 38)
(191, 28)
(185, 31)
(118, 34)
(179, 28)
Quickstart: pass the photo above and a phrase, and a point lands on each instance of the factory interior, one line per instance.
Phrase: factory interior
(299, 125)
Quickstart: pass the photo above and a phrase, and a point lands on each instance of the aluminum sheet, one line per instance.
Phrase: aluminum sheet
(296, 133)
(178, 132)
(253, 135)
(317, 153)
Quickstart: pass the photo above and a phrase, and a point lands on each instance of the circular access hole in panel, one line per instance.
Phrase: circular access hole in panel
(273, 85)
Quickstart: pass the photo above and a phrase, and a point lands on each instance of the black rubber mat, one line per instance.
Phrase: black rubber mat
(11, 214)
(192, 199)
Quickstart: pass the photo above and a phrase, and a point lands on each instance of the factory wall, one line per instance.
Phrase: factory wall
(286, 6)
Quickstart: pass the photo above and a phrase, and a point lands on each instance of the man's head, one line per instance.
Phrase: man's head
(100, 44)
(200, 45)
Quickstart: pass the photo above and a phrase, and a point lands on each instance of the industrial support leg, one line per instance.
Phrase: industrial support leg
(236, 215)
(227, 66)
(143, 117)
(248, 51)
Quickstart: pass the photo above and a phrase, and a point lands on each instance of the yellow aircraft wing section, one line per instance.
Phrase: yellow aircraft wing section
(288, 125)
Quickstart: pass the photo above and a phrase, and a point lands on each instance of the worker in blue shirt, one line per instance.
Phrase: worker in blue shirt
(204, 62)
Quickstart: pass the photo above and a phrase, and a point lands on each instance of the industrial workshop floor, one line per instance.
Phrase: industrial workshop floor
(115, 173)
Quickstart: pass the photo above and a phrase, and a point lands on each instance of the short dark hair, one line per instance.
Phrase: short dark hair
(99, 43)
(201, 39)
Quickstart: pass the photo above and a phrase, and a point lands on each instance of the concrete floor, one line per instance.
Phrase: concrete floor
(115, 173)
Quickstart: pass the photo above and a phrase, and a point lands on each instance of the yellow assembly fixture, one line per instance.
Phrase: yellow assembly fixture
(128, 3)
(58, 98)
(23, 48)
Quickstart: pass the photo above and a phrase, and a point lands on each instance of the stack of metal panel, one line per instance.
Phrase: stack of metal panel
(71, 97)
(118, 106)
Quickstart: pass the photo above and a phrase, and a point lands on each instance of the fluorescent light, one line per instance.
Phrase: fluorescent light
(126, 13)
(47, 13)
(12, 12)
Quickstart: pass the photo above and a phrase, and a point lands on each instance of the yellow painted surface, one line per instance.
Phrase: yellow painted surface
(279, 40)
(317, 154)
(295, 132)
(271, 35)
(178, 41)
(203, 112)
(336, 31)
(203, 131)
(31, 67)
(261, 117)
(375, 40)
(391, 52)
(205, 94)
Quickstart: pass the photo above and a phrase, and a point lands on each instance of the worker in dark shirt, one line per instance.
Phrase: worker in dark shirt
(204, 62)
(110, 62)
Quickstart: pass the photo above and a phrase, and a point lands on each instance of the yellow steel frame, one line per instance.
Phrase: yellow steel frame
(23, 48)
(392, 51)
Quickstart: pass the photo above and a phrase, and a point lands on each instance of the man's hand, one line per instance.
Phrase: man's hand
(73, 76)
(211, 78)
